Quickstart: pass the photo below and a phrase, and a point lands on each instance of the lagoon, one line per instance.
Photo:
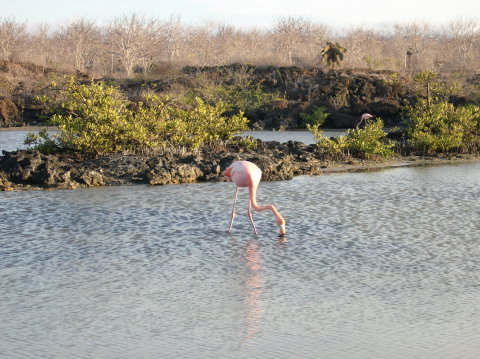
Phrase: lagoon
(380, 264)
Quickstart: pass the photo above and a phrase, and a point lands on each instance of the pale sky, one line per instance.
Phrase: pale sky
(248, 13)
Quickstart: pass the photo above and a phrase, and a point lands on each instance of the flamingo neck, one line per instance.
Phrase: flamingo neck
(278, 217)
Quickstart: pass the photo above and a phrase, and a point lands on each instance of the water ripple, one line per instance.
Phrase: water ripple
(376, 264)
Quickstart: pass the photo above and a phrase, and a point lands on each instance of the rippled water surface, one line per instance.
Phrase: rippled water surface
(376, 265)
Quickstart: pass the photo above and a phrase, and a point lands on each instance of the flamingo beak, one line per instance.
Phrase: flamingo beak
(282, 230)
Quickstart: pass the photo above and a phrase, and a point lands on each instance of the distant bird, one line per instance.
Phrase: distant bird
(247, 174)
(364, 117)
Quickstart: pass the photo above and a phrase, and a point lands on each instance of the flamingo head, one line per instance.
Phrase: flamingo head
(281, 225)
(366, 116)
(227, 173)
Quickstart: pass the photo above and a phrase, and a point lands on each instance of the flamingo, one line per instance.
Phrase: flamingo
(364, 117)
(247, 174)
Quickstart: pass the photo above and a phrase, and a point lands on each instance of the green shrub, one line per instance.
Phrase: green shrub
(205, 124)
(95, 118)
(317, 117)
(439, 126)
(369, 141)
(41, 141)
(433, 89)
(362, 143)
(239, 95)
(332, 149)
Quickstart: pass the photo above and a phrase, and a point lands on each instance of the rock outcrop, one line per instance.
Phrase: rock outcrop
(31, 169)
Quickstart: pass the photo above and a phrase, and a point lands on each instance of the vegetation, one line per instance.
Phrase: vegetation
(131, 45)
(369, 141)
(330, 148)
(426, 78)
(235, 88)
(96, 119)
(315, 118)
(434, 126)
(332, 54)
(206, 106)
(366, 143)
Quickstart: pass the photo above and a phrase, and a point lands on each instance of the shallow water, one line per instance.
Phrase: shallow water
(376, 265)
(300, 136)
(12, 140)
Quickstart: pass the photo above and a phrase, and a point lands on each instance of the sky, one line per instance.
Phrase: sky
(248, 13)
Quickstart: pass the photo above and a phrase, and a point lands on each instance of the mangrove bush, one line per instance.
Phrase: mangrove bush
(316, 117)
(434, 126)
(95, 118)
(364, 143)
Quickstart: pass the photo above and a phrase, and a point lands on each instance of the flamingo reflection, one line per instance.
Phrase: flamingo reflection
(254, 290)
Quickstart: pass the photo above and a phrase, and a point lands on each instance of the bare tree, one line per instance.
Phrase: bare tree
(253, 46)
(362, 45)
(134, 40)
(291, 33)
(227, 40)
(412, 43)
(462, 34)
(13, 36)
(79, 42)
(317, 37)
(201, 44)
(41, 46)
(173, 37)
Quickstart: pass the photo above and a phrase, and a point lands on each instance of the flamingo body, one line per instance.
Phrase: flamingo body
(247, 174)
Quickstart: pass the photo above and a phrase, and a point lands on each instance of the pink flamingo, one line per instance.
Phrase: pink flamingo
(364, 117)
(247, 174)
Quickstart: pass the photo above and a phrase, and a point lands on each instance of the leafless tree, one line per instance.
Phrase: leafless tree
(39, 49)
(254, 47)
(413, 42)
(134, 40)
(80, 40)
(291, 34)
(13, 36)
(359, 43)
(201, 45)
(173, 38)
(462, 35)
(317, 37)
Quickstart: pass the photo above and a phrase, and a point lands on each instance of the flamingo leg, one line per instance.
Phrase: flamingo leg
(233, 211)
(250, 216)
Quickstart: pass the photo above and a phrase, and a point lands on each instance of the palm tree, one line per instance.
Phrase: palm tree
(332, 54)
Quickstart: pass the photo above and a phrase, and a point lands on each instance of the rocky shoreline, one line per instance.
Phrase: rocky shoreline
(29, 169)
